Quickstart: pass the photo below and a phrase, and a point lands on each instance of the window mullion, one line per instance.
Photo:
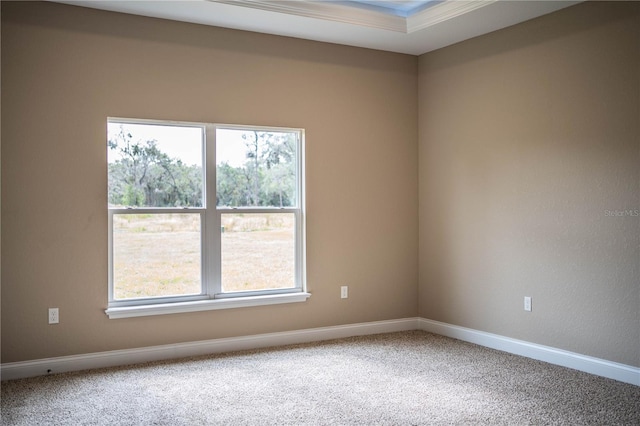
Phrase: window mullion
(211, 244)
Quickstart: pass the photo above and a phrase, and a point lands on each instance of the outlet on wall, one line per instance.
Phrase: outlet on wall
(344, 292)
(54, 316)
(527, 303)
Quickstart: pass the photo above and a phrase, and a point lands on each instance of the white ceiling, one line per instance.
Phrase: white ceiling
(403, 26)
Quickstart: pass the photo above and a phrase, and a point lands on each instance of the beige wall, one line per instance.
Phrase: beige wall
(527, 136)
(66, 69)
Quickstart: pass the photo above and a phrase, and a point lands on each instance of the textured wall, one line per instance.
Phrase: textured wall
(66, 69)
(527, 137)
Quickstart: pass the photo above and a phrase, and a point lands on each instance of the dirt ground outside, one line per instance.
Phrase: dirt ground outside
(159, 254)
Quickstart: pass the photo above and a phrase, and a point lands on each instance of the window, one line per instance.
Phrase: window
(203, 216)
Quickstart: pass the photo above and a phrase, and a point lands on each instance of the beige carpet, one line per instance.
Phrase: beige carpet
(409, 378)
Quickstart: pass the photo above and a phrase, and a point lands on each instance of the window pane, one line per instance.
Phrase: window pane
(256, 168)
(154, 165)
(156, 255)
(258, 251)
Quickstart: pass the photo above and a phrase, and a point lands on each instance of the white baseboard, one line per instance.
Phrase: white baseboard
(40, 367)
(597, 366)
(600, 367)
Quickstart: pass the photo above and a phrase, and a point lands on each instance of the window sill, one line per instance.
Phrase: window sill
(204, 305)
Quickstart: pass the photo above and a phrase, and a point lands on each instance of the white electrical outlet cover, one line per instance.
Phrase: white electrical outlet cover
(54, 316)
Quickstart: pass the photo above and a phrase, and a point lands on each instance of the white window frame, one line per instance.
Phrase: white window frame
(211, 296)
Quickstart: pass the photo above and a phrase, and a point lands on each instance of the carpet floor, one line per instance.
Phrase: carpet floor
(407, 378)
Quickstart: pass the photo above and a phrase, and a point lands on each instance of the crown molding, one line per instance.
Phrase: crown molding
(442, 12)
(333, 11)
(328, 11)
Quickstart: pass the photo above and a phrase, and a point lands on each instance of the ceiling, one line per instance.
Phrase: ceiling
(404, 26)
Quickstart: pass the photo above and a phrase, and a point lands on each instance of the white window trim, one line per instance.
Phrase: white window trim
(205, 305)
(212, 297)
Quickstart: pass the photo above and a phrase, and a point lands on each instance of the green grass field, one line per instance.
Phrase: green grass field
(159, 255)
